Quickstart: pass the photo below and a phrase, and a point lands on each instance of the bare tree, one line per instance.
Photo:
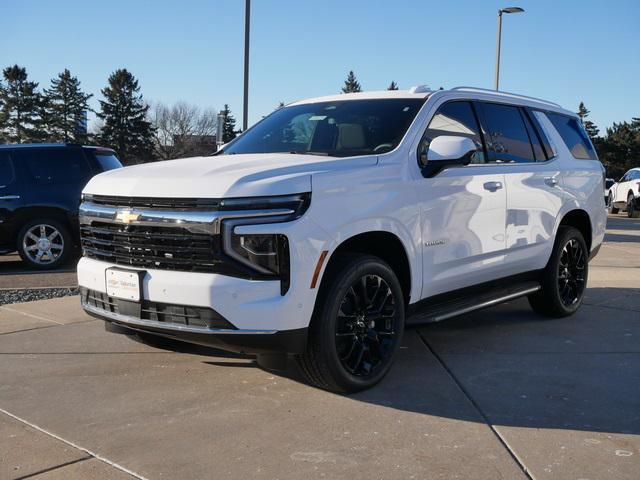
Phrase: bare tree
(183, 130)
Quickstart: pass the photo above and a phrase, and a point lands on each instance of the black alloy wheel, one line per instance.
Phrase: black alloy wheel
(563, 281)
(571, 273)
(366, 326)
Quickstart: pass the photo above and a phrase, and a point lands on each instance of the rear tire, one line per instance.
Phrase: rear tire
(564, 279)
(356, 327)
(632, 211)
(44, 243)
(613, 210)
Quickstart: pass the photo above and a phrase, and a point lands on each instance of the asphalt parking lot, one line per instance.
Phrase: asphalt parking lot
(500, 393)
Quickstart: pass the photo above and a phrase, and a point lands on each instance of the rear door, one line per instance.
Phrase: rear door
(10, 198)
(534, 195)
(55, 176)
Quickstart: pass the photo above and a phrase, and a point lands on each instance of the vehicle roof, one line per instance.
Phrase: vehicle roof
(49, 145)
(422, 92)
(375, 95)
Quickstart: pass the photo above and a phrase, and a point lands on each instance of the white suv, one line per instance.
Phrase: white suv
(625, 194)
(333, 222)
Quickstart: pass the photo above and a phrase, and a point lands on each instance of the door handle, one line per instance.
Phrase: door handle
(492, 186)
(551, 181)
(10, 197)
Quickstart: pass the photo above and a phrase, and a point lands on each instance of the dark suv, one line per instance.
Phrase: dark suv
(40, 187)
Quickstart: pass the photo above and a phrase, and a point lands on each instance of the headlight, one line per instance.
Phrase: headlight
(262, 252)
(265, 253)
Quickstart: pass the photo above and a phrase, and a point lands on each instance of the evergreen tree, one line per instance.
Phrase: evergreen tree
(351, 85)
(21, 107)
(65, 106)
(229, 126)
(124, 114)
(589, 126)
(392, 86)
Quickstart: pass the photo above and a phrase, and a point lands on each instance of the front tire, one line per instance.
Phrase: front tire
(357, 326)
(564, 279)
(44, 243)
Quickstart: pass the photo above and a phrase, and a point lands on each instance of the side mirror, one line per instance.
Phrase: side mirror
(448, 151)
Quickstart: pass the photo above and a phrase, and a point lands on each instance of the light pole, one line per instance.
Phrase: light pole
(499, 38)
(245, 106)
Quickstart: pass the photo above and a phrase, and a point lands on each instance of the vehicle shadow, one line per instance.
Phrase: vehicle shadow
(512, 367)
(520, 369)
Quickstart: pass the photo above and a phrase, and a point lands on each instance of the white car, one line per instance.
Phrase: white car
(331, 224)
(625, 194)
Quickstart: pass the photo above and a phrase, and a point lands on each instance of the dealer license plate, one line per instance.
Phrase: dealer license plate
(123, 284)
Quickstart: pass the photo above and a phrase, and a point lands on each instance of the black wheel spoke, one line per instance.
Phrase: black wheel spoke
(366, 326)
(571, 272)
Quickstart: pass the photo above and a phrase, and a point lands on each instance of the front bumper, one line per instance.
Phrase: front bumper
(226, 337)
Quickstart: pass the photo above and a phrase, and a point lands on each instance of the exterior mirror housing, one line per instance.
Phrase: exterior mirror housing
(447, 151)
(448, 148)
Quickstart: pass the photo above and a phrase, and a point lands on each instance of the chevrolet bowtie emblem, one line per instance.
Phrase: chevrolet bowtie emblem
(126, 216)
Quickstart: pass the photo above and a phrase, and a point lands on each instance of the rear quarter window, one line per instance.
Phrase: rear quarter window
(107, 160)
(573, 135)
(7, 174)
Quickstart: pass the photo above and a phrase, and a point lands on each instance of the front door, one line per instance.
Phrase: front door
(463, 210)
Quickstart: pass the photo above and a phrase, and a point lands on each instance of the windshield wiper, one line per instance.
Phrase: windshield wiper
(296, 152)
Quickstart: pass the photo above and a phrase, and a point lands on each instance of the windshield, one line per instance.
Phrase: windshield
(339, 129)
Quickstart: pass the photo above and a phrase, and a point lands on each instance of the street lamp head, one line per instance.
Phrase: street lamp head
(511, 10)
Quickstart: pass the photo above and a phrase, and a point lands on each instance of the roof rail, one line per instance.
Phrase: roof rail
(420, 89)
(500, 92)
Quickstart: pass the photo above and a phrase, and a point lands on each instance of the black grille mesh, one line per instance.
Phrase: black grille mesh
(158, 312)
(165, 248)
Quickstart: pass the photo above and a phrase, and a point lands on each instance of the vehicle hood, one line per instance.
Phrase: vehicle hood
(246, 175)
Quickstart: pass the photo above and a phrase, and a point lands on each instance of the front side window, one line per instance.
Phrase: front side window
(7, 174)
(573, 135)
(339, 129)
(55, 166)
(505, 134)
(453, 119)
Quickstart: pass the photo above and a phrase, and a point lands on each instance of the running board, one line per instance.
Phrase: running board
(438, 311)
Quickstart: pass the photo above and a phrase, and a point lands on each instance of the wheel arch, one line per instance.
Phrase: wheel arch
(32, 212)
(579, 219)
(382, 244)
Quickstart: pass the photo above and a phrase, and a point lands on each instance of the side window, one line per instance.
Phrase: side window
(535, 137)
(7, 173)
(573, 135)
(456, 119)
(505, 133)
(59, 166)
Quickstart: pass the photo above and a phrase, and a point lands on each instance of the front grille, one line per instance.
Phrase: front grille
(157, 202)
(165, 248)
(157, 312)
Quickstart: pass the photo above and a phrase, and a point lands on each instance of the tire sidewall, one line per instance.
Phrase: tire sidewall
(551, 282)
(325, 322)
(64, 232)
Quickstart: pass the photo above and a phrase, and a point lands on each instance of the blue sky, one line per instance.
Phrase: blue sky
(564, 51)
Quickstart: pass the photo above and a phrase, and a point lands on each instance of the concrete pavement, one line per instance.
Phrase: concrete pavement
(14, 274)
(500, 393)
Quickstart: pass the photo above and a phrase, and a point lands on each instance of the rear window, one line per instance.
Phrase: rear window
(107, 160)
(573, 135)
(57, 166)
(6, 170)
